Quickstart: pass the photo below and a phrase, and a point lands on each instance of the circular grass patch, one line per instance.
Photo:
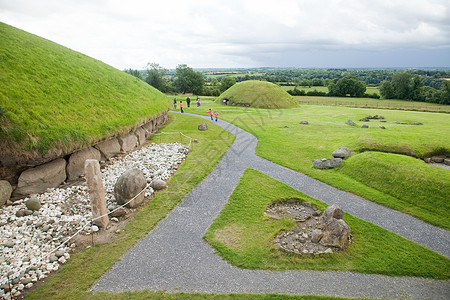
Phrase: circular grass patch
(259, 94)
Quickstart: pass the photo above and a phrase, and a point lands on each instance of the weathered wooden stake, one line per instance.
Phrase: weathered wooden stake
(96, 192)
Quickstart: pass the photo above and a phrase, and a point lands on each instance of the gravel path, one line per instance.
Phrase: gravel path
(174, 257)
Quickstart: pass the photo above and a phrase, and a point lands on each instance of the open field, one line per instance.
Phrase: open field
(369, 89)
(284, 141)
(246, 234)
(373, 103)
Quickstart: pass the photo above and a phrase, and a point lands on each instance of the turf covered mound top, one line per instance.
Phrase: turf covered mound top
(260, 94)
(54, 98)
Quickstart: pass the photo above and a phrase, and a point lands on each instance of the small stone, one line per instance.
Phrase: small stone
(350, 122)
(382, 127)
(114, 219)
(28, 212)
(9, 244)
(59, 253)
(53, 258)
(29, 285)
(26, 280)
(45, 228)
(119, 212)
(195, 141)
(29, 222)
(304, 122)
(20, 213)
(365, 126)
(39, 224)
(203, 127)
(33, 203)
(328, 251)
(94, 228)
(158, 184)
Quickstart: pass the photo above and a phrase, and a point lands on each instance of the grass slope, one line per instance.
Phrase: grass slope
(374, 250)
(261, 94)
(53, 97)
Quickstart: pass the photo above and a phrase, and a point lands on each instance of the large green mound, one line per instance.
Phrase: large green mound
(56, 99)
(259, 94)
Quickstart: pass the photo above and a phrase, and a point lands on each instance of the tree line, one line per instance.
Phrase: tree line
(414, 85)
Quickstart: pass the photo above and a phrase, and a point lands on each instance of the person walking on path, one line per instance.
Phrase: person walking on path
(181, 106)
(210, 112)
(188, 101)
(174, 103)
(217, 115)
(198, 101)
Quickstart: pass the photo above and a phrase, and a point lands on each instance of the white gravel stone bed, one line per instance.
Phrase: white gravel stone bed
(29, 243)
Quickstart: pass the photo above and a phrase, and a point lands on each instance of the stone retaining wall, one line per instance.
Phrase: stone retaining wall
(37, 176)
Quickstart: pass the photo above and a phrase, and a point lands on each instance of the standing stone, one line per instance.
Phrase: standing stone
(128, 142)
(130, 184)
(336, 233)
(76, 163)
(148, 127)
(5, 191)
(342, 152)
(109, 148)
(96, 192)
(39, 179)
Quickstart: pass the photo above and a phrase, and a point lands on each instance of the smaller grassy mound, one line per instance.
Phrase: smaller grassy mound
(423, 189)
(259, 94)
(374, 250)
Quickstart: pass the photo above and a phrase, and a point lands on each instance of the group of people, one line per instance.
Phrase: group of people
(188, 101)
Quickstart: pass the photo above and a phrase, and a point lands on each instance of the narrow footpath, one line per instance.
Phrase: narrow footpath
(174, 257)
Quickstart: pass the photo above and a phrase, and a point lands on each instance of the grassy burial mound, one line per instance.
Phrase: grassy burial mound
(54, 100)
(259, 94)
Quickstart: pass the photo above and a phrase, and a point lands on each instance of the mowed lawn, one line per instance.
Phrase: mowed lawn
(243, 235)
(395, 179)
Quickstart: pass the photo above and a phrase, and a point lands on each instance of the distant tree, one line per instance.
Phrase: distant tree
(445, 96)
(226, 83)
(317, 82)
(187, 80)
(305, 82)
(297, 82)
(246, 77)
(156, 77)
(214, 82)
(135, 73)
(349, 85)
(387, 90)
(407, 86)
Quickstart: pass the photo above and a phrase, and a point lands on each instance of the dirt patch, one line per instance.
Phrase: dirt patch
(230, 236)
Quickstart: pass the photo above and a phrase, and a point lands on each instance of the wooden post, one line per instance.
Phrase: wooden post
(96, 192)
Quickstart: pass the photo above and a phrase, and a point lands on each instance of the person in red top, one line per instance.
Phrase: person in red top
(181, 106)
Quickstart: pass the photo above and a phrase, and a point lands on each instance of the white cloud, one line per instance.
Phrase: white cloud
(214, 33)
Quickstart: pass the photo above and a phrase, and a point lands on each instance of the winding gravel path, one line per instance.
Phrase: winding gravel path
(174, 257)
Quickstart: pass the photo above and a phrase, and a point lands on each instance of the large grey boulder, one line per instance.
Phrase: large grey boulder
(336, 233)
(5, 191)
(327, 163)
(342, 152)
(148, 127)
(129, 184)
(109, 148)
(39, 179)
(75, 165)
(128, 142)
(203, 127)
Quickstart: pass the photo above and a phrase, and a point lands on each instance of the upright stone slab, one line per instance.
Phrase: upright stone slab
(39, 179)
(140, 134)
(109, 148)
(5, 191)
(75, 166)
(128, 142)
(96, 192)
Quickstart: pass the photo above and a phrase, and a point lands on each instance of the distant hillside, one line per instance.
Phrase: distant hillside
(260, 94)
(56, 99)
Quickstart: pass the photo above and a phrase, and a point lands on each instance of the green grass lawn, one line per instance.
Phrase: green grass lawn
(284, 141)
(369, 89)
(374, 250)
(373, 103)
(75, 278)
(53, 97)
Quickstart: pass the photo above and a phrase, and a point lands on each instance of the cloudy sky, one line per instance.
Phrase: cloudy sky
(243, 33)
